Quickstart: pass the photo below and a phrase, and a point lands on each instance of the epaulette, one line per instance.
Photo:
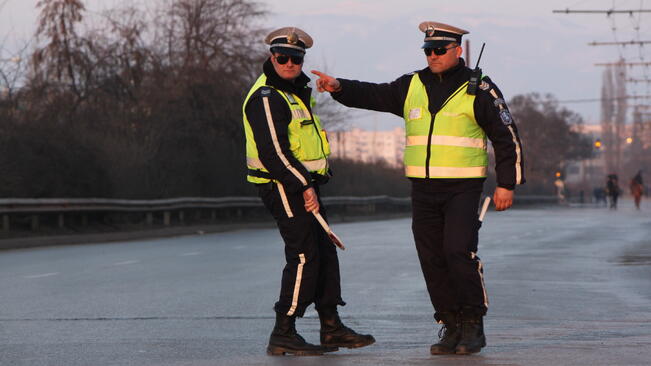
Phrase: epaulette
(265, 91)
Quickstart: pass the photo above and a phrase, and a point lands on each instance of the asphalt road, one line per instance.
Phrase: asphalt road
(568, 286)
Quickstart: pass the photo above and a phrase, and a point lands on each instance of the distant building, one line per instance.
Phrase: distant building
(369, 146)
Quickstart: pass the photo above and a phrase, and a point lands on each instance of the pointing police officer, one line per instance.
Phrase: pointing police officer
(286, 151)
(446, 160)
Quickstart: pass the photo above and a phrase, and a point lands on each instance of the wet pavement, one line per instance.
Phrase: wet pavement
(567, 286)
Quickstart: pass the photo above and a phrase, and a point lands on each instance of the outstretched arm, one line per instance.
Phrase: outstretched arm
(384, 97)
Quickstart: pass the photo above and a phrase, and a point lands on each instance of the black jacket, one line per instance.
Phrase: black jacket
(281, 117)
(390, 97)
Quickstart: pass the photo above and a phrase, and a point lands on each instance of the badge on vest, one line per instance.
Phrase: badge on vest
(301, 114)
(415, 113)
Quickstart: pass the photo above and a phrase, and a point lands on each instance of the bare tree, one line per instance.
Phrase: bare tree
(60, 58)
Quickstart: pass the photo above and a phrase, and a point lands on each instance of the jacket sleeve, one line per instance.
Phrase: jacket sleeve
(269, 117)
(385, 97)
(494, 117)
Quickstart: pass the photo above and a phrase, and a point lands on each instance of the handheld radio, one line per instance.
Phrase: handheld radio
(475, 77)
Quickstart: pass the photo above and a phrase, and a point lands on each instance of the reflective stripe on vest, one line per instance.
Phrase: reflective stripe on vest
(446, 171)
(449, 144)
(307, 140)
(447, 141)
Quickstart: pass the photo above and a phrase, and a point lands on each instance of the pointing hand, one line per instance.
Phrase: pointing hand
(326, 82)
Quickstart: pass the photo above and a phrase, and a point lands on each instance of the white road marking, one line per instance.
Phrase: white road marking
(42, 275)
(190, 253)
(125, 263)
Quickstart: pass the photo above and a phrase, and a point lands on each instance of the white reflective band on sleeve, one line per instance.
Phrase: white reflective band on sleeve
(447, 141)
(283, 197)
(480, 270)
(297, 284)
(446, 171)
(311, 165)
(274, 138)
(518, 160)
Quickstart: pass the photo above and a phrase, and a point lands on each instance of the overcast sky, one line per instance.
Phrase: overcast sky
(528, 49)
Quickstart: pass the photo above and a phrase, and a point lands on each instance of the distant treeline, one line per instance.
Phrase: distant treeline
(146, 103)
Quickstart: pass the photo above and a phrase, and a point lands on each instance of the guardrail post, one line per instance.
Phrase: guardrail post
(181, 217)
(166, 218)
(150, 218)
(5, 222)
(84, 220)
(213, 215)
(61, 221)
(34, 222)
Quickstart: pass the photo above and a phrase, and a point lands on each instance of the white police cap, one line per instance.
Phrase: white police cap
(440, 34)
(289, 40)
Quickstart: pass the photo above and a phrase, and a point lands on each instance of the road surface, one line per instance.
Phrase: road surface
(567, 286)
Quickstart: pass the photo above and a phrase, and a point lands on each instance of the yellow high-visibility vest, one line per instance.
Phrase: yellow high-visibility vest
(307, 139)
(457, 144)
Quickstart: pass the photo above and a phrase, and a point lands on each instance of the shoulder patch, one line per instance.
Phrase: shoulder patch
(484, 85)
(506, 117)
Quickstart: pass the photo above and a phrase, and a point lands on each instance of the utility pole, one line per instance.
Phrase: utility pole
(468, 52)
(614, 99)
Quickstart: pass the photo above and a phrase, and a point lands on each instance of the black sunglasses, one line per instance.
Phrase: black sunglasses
(283, 59)
(439, 51)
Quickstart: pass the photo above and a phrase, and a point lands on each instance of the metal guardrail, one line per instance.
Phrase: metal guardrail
(27, 205)
(32, 208)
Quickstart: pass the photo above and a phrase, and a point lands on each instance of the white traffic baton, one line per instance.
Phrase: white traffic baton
(333, 237)
(484, 208)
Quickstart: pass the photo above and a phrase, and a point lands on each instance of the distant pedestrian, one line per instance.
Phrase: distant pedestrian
(637, 188)
(286, 153)
(612, 190)
(560, 190)
(599, 196)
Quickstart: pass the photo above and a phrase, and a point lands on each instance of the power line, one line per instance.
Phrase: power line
(603, 99)
(631, 80)
(630, 64)
(607, 12)
(624, 43)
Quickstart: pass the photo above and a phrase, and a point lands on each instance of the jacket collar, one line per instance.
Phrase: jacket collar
(452, 73)
(273, 79)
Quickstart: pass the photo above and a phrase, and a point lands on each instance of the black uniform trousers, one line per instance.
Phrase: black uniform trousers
(311, 273)
(445, 227)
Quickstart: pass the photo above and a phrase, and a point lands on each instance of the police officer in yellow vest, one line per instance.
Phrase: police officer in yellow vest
(446, 161)
(286, 153)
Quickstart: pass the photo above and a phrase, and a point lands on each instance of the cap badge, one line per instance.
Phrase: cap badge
(292, 38)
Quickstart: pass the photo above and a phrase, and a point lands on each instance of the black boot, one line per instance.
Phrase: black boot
(449, 334)
(284, 339)
(472, 335)
(335, 334)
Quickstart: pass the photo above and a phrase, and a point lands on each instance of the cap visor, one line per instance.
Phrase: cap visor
(435, 44)
(287, 51)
